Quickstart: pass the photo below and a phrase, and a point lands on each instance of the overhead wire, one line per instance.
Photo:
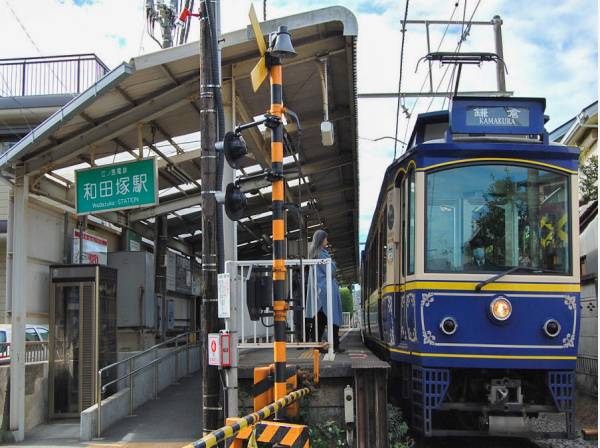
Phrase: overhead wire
(22, 26)
(463, 38)
(403, 31)
(460, 41)
(414, 105)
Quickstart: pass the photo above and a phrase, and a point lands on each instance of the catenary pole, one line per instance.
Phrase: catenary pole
(501, 79)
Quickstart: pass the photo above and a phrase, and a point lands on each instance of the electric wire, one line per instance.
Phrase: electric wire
(414, 105)
(403, 31)
(459, 44)
(22, 108)
(22, 26)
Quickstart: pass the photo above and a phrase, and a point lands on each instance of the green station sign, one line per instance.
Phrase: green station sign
(117, 186)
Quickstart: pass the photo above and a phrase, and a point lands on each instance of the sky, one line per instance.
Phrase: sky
(550, 49)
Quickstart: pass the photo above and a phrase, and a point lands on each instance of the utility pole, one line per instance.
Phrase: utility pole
(208, 176)
(166, 15)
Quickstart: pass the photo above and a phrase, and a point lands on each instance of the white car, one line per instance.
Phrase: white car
(33, 333)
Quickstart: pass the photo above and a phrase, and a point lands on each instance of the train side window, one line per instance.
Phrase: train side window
(411, 223)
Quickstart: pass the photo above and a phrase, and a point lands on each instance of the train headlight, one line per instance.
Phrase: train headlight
(551, 328)
(448, 326)
(501, 308)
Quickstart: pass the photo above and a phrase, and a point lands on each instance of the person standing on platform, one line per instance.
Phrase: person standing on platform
(317, 314)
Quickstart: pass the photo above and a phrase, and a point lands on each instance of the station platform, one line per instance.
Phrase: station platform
(356, 356)
(356, 371)
(171, 421)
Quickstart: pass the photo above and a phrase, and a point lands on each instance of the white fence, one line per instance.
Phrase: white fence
(35, 351)
(351, 320)
(301, 275)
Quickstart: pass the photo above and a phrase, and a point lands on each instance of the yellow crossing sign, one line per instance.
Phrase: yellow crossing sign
(259, 72)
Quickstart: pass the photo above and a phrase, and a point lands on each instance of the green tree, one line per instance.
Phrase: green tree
(588, 181)
(347, 302)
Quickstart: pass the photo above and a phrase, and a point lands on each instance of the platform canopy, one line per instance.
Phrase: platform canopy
(151, 101)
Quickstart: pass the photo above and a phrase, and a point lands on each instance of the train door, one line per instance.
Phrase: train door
(380, 274)
(402, 259)
(391, 224)
(394, 225)
(384, 316)
(373, 284)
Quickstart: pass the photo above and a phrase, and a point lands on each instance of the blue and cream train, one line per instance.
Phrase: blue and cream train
(470, 273)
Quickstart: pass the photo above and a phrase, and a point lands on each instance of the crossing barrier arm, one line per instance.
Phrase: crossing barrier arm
(230, 431)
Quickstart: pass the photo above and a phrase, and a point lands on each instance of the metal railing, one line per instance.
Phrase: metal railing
(301, 275)
(587, 364)
(351, 320)
(180, 343)
(35, 351)
(65, 74)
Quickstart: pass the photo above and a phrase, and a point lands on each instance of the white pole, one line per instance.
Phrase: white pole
(330, 354)
(19, 308)
(234, 323)
(314, 299)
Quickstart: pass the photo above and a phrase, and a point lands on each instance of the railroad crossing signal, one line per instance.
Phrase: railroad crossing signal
(280, 45)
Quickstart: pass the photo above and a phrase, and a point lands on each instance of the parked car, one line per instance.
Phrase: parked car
(33, 333)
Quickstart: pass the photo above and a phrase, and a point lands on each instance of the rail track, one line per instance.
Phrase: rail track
(478, 442)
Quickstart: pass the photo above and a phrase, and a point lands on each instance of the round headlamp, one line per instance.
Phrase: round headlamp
(551, 328)
(500, 308)
(448, 326)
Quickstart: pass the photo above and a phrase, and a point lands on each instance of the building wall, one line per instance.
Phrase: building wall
(3, 304)
(4, 194)
(587, 357)
(45, 232)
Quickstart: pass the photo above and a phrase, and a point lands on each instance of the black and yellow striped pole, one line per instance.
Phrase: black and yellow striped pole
(230, 431)
(277, 197)
(280, 47)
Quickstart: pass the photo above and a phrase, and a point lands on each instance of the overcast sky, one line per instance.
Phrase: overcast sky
(550, 48)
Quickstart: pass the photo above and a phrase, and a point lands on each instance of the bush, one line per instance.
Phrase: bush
(347, 301)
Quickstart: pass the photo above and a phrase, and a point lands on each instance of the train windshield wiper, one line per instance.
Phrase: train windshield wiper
(480, 285)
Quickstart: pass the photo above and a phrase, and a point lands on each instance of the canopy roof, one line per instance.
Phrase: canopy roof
(154, 97)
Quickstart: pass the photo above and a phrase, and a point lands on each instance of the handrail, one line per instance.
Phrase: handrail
(100, 389)
(148, 350)
(229, 431)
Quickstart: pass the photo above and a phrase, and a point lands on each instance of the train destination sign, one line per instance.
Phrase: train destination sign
(117, 186)
(497, 116)
(479, 115)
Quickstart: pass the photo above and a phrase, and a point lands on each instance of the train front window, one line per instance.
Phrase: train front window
(489, 218)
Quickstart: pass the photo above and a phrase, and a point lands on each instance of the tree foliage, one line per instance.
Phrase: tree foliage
(588, 181)
(347, 301)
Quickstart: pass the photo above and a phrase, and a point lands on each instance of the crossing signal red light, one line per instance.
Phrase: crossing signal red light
(235, 202)
(234, 148)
